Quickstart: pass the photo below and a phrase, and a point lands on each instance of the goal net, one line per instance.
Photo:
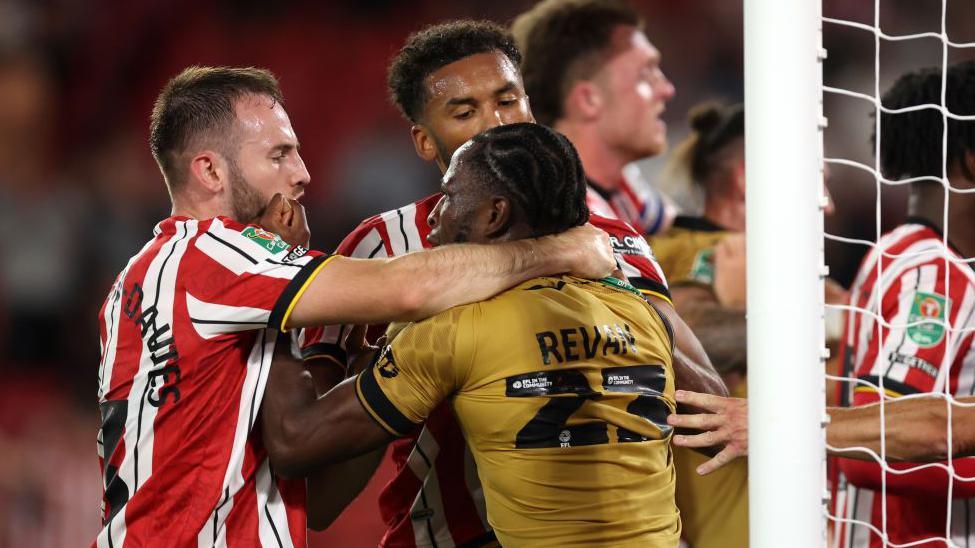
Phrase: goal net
(909, 322)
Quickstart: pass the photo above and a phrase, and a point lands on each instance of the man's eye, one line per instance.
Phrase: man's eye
(508, 102)
(464, 115)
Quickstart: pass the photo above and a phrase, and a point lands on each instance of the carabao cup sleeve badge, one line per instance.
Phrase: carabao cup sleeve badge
(926, 321)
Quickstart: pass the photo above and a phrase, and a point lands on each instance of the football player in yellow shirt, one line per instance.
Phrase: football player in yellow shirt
(561, 385)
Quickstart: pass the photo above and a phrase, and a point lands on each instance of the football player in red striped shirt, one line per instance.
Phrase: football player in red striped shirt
(915, 279)
(453, 81)
(188, 329)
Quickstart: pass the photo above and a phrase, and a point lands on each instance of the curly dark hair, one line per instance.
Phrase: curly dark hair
(437, 46)
(564, 41)
(537, 169)
(911, 142)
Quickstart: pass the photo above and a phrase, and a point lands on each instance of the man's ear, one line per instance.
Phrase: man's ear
(426, 147)
(497, 216)
(585, 100)
(210, 171)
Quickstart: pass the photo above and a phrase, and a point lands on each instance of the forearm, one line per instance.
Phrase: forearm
(302, 432)
(721, 331)
(421, 284)
(459, 274)
(916, 429)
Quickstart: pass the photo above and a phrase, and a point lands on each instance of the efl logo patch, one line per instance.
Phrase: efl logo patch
(929, 308)
(268, 240)
(703, 268)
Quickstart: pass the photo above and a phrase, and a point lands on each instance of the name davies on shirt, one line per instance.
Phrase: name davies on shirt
(585, 342)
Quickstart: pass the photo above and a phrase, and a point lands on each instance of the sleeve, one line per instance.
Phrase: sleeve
(244, 278)
(645, 207)
(635, 257)
(916, 310)
(426, 363)
(907, 350)
(328, 342)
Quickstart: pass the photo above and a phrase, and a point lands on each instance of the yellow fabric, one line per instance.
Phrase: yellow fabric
(574, 487)
(685, 254)
(714, 508)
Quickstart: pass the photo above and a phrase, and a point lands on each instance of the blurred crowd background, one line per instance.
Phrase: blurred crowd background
(79, 192)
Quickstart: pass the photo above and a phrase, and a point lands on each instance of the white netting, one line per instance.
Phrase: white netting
(850, 528)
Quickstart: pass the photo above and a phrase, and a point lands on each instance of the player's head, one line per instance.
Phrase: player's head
(713, 155)
(510, 182)
(589, 63)
(911, 142)
(455, 80)
(222, 138)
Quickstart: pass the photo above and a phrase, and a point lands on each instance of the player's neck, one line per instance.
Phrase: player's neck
(200, 210)
(928, 204)
(602, 164)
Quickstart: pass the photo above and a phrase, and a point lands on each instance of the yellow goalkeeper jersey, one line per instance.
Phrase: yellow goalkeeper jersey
(562, 387)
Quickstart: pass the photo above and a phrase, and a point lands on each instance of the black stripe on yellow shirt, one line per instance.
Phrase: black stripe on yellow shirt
(375, 402)
(649, 286)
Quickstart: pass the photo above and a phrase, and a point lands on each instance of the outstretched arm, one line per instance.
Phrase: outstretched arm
(423, 283)
(302, 433)
(916, 429)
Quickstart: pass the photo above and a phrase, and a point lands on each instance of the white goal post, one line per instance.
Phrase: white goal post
(786, 333)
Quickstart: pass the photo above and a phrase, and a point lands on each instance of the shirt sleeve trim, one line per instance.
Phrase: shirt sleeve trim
(292, 293)
(655, 291)
(375, 402)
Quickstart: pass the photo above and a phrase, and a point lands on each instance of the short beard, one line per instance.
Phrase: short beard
(443, 155)
(247, 204)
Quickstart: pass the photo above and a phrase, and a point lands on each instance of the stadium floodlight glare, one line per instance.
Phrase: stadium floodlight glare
(786, 331)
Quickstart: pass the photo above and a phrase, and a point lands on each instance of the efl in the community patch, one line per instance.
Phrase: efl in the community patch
(268, 240)
(932, 309)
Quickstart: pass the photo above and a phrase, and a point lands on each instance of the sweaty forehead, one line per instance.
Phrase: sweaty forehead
(481, 74)
(260, 118)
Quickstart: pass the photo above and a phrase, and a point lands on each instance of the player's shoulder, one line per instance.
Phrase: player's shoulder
(372, 236)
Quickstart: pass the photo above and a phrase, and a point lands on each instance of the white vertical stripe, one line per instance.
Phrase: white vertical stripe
(859, 536)
(427, 512)
(112, 316)
(251, 395)
(965, 363)
(113, 311)
(368, 244)
(410, 221)
(962, 522)
(397, 243)
(894, 334)
(473, 481)
(272, 519)
(138, 433)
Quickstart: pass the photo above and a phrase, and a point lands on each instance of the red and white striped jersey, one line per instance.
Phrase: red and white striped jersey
(924, 344)
(635, 201)
(187, 334)
(435, 497)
